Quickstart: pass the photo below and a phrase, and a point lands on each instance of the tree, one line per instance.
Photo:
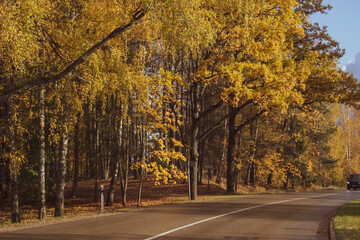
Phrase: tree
(257, 67)
(41, 167)
(14, 162)
(148, 85)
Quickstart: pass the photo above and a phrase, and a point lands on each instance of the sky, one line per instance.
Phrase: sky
(343, 24)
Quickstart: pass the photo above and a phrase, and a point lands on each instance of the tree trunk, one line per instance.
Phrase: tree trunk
(88, 145)
(53, 170)
(142, 169)
(124, 166)
(115, 165)
(194, 132)
(60, 186)
(4, 178)
(201, 162)
(15, 215)
(107, 160)
(41, 167)
(97, 156)
(254, 130)
(286, 182)
(247, 173)
(111, 193)
(269, 179)
(2, 175)
(124, 176)
(237, 170)
(230, 174)
(236, 179)
(135, 138)
(252, 173)
(76, 158)
(223, 156)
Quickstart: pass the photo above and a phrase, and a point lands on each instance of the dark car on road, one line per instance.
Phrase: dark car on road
(353, 181)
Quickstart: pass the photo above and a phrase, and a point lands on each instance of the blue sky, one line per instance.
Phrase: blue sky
(343, 22)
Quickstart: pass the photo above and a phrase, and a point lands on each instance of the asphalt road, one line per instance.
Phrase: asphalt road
(275, 216)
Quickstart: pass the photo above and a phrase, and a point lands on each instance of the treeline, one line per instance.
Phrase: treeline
(105, 89)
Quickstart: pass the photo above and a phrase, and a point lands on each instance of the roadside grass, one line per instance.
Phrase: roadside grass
(347, 221)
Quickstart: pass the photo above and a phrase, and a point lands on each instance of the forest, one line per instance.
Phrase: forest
(162, 89)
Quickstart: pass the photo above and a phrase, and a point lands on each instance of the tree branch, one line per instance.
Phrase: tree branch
(211, 109)
(27, 84)
(218, 124)
(250, 120)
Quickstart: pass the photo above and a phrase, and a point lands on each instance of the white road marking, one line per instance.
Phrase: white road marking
(233, 212)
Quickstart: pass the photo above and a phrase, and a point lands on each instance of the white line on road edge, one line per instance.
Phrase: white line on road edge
(233, 212)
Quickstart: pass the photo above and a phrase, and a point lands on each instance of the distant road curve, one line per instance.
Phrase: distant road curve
(275, 216)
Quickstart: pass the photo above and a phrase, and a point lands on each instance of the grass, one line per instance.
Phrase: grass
(347, 221)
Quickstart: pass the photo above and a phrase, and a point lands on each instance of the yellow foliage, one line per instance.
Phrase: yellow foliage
(170, 174)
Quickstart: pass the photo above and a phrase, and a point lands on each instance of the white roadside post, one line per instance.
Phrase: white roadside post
(102, 198)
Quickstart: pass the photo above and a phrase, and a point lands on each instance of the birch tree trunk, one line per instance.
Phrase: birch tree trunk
(41, 167)
(111, 192)
(115, 165)
(60, 186)
(142, 169)
(194, 150)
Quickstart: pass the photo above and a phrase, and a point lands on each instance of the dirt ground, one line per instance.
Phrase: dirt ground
(83, 203)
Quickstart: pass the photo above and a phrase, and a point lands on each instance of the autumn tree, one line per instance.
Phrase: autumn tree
(139, 87)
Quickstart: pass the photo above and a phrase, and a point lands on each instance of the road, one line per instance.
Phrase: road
(275, 216)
